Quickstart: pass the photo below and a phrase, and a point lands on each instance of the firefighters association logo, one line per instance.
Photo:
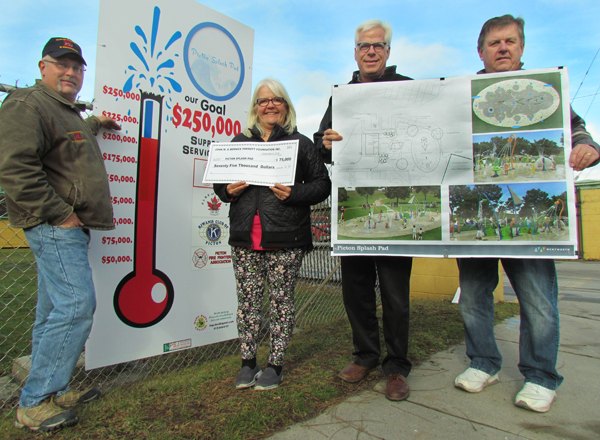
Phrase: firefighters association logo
(200, 258)
(200, 323)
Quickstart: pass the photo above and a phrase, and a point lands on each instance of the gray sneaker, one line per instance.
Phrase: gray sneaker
(247, 377)
(268, 380)
(74, 397)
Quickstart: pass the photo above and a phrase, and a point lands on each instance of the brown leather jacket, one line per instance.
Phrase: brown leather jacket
(50, 162)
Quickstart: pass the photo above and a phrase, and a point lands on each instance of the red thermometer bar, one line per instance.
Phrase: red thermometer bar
(145, 295)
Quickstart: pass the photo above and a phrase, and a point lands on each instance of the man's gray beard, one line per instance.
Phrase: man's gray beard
(59, 85)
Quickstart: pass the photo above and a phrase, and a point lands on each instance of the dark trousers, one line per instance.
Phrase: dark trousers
(359, 275)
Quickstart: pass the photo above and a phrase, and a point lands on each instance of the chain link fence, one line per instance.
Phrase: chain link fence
(318, 300)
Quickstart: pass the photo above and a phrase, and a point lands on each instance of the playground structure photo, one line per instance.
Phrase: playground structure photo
(516, 212)
(528, 156)
(392, 213)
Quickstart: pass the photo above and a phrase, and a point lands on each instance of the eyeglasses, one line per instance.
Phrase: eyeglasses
(77, 68)
(378, 46)
(263, 102)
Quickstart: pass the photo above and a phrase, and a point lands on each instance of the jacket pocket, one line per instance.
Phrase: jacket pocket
(73, 198)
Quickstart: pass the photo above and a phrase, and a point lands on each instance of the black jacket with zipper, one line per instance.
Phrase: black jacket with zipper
(285, 224)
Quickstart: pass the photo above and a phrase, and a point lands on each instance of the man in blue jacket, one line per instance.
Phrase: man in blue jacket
(500, 46)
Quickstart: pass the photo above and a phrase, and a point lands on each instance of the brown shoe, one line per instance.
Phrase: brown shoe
(397, 388)
(354, 373)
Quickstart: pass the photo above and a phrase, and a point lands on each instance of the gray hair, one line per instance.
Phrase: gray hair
(277, 88)
(372, 24)
(500, 22)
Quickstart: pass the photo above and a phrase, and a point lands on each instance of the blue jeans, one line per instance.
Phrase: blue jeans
(64, 312)
(536, 287)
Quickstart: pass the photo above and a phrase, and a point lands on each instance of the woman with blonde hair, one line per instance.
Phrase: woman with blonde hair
(270, 234)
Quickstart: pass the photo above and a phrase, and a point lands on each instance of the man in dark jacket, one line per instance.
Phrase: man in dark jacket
(53, 174)
(501, 44)
(359, 273)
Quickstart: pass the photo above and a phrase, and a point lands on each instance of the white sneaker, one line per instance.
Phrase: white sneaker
(474, 381)
(535, 397)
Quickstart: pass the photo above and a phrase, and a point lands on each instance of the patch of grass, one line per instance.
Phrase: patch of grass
(201, 402)
(18, 287)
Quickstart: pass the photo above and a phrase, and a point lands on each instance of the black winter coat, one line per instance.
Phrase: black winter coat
(284, 224)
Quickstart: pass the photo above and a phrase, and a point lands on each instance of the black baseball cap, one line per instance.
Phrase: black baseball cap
(57, 47)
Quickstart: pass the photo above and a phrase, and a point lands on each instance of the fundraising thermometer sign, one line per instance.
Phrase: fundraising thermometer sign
(176, 76)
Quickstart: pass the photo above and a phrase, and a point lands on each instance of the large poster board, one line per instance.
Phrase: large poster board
(177, 76)
(455, 167)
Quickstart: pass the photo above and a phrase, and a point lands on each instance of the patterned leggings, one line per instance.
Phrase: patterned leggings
(253, 271)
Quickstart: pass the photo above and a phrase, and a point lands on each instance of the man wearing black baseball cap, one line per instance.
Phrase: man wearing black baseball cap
(53, 174)
(57, 47)
(62, 67)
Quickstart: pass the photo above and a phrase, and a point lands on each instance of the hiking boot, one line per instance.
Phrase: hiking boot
(474, 381)
(268, 380)
(45, 417)
(535, 397)
(74, 397)
(247, 377)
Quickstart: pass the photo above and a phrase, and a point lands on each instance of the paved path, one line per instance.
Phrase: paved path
(437, 410)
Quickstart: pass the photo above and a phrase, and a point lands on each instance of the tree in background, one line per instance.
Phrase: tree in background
(460, 200)
(493, 192)
(366, 191)
(535, 200)
(397, 192)
(342, 194)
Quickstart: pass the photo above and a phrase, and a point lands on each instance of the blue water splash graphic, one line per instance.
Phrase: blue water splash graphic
(176, 36)
(151, 65)
(136, 50)
(166, 65)
(140, 32)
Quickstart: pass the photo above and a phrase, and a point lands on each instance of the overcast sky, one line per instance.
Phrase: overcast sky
(308, 45)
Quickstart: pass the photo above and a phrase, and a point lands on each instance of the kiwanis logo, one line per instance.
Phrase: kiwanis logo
(212, 202)
(213, 232)
(200, 323)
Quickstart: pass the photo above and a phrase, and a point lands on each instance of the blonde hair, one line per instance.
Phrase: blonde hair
(277, 88)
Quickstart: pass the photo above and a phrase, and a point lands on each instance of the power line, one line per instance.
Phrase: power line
(585, 96)
(591, 102)
(584, 76)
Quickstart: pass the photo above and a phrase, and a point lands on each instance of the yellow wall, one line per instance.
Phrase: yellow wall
(11, 238)
(590, 223)
(437, 278)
